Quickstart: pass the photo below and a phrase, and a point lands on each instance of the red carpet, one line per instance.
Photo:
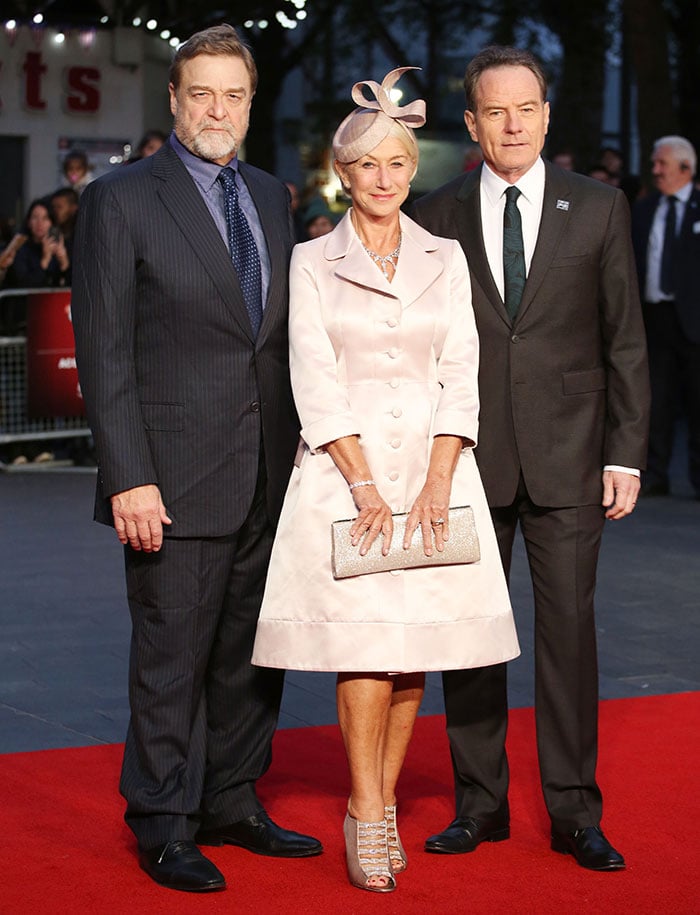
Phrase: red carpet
(66, 850)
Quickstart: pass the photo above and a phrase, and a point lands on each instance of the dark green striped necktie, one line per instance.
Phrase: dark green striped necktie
(513, 253)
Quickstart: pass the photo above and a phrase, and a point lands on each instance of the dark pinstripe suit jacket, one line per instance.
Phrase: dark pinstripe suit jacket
(564, 387)
(177, 391)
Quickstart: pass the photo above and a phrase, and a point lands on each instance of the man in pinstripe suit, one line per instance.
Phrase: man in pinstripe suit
(189, 400)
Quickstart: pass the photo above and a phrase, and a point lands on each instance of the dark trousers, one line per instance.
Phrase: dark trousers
(674, 372)
(202, 717)
(562, 547)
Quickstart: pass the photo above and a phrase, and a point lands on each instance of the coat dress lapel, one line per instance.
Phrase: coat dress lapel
(417, 268)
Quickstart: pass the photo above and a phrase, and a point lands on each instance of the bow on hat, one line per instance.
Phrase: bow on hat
(365, 127)
(413, 114)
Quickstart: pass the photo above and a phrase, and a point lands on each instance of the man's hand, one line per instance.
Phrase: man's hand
(139, 516)
(620, 491)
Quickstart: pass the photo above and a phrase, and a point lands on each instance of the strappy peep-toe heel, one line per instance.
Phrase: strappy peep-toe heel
(367, 854)
(397, 854)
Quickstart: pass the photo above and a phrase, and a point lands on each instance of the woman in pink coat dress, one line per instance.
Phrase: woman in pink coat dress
(384, 359)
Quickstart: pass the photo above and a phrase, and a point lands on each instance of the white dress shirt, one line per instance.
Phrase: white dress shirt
(652, 287)
(493, 201)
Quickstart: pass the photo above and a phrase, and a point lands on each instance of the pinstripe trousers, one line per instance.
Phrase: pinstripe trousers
(202, 717)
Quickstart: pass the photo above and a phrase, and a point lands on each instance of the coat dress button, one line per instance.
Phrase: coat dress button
(255, 407)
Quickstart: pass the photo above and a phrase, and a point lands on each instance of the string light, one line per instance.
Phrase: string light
(165, 34)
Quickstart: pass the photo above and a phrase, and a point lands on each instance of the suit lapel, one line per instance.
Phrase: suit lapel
(556, 212)
(275, 230)
(471, 238)
(180, 196)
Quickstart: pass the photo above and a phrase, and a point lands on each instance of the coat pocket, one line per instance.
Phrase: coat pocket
(584, 382)
(163, 417)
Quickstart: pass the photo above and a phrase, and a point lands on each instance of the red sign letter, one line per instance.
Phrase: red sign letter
(85, 97)
(34, 68)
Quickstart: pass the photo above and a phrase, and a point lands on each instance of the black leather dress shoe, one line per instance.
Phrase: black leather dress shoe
(590, 848)
(180, 865)
(260, 835)
(465, 833)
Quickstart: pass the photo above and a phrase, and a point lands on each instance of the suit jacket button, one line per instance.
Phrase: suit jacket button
(515, 338)
(255, 407)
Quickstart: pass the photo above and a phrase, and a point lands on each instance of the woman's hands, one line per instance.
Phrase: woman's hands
(431, 511)
(374, 518)
(53, 246)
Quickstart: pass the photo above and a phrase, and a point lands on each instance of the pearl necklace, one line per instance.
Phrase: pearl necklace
(386, 260)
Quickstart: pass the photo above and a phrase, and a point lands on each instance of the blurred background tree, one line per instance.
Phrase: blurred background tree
(655, 43)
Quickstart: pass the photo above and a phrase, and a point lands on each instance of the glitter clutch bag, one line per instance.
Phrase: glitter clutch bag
(462, 547)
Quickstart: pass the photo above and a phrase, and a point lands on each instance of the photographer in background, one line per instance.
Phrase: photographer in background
(64, 210)
(42, 259)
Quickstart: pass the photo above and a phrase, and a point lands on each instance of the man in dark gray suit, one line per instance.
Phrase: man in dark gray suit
(666, 239)
(180, 317)
(562, 437)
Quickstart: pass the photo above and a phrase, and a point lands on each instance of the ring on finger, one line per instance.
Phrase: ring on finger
(437, 522)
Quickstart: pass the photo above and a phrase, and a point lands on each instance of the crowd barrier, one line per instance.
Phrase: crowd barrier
(39, 389)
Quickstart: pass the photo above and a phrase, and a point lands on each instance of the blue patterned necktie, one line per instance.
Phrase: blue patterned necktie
(668, 253)
(243, 250)
(513, 253)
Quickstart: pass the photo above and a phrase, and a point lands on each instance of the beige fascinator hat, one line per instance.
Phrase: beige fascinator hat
(366, 126)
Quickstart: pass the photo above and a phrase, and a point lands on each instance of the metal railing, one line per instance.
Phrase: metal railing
(17, 423)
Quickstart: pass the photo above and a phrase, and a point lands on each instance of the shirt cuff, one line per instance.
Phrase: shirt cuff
(632, 470)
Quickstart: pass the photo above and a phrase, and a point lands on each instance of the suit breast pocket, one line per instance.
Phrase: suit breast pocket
(163, 417)
(572, 260)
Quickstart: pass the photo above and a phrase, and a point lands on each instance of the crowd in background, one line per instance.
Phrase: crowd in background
(38, 255)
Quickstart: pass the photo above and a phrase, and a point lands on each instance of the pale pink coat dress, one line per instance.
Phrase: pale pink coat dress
(395, 363)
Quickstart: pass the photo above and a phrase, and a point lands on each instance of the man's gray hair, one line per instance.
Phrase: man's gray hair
(682, 149)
